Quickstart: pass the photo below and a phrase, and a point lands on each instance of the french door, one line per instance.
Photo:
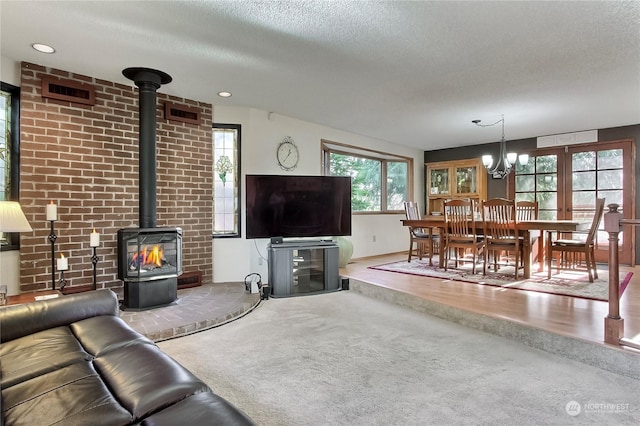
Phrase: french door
(567, 181)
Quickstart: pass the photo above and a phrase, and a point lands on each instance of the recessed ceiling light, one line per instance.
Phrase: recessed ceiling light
(43, 48)
(224, 94)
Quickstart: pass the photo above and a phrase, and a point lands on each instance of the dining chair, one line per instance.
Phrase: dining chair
(424, 239)
(460, 232)
(527, 210)
(499, 220)
(584, 246)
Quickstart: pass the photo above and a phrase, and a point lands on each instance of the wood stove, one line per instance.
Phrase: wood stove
(149, 263)
(149, 257)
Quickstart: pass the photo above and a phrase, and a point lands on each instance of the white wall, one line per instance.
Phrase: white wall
(234, 258)
(10, 271)
(9, 71)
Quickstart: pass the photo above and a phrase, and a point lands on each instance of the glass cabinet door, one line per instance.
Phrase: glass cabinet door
(454, 179)
(439, 181)
(308, 270)
(466, 180)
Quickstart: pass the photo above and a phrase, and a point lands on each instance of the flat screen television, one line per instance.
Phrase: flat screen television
(291, 206)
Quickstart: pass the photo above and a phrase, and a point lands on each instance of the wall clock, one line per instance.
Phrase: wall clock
(288, 154)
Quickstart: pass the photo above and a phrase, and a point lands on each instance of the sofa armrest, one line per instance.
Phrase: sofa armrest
(21, 320)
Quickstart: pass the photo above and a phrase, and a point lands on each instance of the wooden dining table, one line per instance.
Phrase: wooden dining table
(523, 228)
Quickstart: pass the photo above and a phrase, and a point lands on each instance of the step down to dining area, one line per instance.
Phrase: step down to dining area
(622, 361)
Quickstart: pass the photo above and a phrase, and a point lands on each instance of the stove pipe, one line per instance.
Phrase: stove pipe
(148, 82)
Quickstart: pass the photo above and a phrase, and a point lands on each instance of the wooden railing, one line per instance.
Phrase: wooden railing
(613, 323)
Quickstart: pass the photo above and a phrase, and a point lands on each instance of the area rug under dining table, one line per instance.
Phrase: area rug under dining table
(573, 283)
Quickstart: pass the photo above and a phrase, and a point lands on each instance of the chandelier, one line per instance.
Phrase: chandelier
(506, 161)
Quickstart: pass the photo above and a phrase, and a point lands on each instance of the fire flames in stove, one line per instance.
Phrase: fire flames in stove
(148, 258)
(149, 254)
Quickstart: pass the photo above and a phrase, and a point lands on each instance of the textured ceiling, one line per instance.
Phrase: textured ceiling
(413, 73)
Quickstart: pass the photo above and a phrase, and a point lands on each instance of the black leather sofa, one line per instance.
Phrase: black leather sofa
(73, 361)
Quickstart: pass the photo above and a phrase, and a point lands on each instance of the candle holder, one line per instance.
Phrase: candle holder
(94, 260)
(62, 283)
(52, 239)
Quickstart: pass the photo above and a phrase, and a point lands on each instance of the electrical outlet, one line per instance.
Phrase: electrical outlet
(260, 261)
(374, 238)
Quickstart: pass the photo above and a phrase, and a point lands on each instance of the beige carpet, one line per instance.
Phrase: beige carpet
(347, 359)
(573, 283)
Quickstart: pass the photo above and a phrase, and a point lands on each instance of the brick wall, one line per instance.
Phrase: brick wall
(85, 159)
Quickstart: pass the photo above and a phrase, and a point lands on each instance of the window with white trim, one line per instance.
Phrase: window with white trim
(226, 172)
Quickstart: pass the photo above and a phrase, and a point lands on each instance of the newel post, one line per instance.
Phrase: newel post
(613, 324)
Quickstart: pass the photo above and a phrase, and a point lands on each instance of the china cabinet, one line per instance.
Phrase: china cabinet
(448, 180)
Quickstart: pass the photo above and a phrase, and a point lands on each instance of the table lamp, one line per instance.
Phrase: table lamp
(12, 218)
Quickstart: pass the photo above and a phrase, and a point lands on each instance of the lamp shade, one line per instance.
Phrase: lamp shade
(12, 218)
(523, 159)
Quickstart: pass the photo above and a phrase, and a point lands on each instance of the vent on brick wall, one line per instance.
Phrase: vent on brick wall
(182, 113)
(68, 90)
(190, 279)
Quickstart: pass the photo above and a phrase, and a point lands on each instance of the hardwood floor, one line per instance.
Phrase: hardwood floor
(564, 315)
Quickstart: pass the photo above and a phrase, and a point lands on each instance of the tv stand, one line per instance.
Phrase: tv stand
(303, 267)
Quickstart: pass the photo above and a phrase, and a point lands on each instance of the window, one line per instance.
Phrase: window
(538, 181)
(9, 153)
(5, 144)
(226, 191)
(380, 182)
